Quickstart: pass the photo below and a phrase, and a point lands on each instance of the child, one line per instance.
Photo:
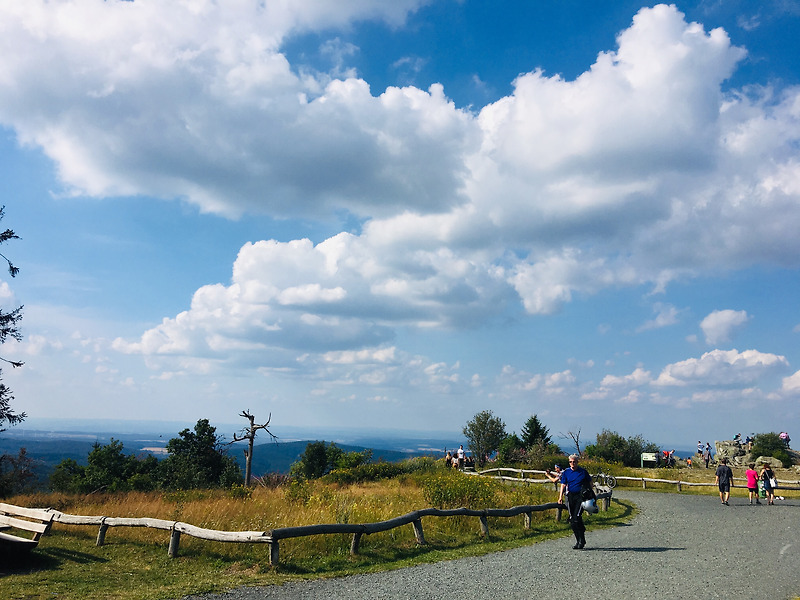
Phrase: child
(752, 482)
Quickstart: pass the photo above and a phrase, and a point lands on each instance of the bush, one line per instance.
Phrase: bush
(361, 473)
(455, 490)
(511, 450)
(770, 444)
(784, 457)
(612, 447)
(320, 458)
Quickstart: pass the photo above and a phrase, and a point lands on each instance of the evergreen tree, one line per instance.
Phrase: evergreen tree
(534, 433)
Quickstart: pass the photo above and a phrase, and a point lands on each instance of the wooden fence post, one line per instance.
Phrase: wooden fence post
(418, 532)
(354, 544)
(174, 543)
(274, 553)
(558, 513)
(644, 484)
(101, 534)
(528, 520)
(484, 526)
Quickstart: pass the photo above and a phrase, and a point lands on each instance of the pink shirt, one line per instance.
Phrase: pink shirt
(752, 478)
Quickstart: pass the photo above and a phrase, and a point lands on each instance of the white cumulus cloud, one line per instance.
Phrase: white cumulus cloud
(720, 325)
(721, 368)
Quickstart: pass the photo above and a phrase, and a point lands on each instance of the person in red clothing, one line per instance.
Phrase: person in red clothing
(752, 482)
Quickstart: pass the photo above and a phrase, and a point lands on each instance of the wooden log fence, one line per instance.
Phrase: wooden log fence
(525, 475)
(274, 536)
(784, 485)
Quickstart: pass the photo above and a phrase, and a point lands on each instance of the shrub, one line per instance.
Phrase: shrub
(320, 458)
(298, 491)
(455, 490)
(361, 473)
(240, 492)
(770, 444)
(511, 450)
(612, 447)
(784, 457)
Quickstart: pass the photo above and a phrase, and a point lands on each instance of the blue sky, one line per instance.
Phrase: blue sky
(396, 215)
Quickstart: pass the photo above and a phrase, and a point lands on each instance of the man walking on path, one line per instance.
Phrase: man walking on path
(724, 479)
(573, 481)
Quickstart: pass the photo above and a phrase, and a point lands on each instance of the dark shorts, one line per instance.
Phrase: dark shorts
(724, 487)
(753, 489)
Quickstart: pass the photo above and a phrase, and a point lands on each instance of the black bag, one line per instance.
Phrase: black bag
(587, 492)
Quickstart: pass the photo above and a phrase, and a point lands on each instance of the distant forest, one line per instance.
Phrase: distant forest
(268, 457)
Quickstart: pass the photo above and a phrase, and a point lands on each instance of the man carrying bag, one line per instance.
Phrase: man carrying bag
(574, 481)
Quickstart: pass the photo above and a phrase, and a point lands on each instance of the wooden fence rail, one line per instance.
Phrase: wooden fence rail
(273, 537)
(521, 475)
(785, 485)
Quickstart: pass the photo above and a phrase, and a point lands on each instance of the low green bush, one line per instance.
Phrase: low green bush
(454, 490)
(362, 473)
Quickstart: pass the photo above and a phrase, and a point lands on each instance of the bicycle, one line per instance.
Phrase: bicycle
(605, 479)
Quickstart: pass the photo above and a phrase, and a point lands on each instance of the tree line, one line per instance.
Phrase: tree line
(486, 435)
(196, 459)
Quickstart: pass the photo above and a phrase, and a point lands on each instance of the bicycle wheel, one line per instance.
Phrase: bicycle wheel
(611, 481)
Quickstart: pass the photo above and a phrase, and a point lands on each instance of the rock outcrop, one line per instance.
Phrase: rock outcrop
(739, 456)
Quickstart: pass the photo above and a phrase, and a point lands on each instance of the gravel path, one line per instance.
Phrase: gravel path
(677, 547)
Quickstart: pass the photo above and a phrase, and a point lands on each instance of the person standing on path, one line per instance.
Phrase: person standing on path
(573, 482)
(768, 477)
(707, 454)
(724, 479)
(752, 482)
(460, 455)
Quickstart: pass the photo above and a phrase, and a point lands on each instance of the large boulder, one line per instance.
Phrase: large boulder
(730, 450)
(773, 462)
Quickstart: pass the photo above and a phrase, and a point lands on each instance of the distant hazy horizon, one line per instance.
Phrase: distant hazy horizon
(395, 439)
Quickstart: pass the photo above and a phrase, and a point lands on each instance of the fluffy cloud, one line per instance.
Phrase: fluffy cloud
(289, 299)
(211, 111)
(722, 368)
(637, 378)
(720, 324)
(791, 384)
(633, 173)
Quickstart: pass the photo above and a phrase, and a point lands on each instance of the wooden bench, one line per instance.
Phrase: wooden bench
(33, 520)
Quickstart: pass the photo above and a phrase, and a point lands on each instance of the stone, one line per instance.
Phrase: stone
(773, 462)
(728, 449)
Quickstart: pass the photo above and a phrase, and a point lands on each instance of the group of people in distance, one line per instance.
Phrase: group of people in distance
(705, 452)
(459, 460)
(764, 479)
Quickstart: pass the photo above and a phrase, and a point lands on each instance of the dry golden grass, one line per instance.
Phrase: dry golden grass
(133, 563)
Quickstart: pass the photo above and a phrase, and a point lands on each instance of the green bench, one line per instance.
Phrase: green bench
(34, 521)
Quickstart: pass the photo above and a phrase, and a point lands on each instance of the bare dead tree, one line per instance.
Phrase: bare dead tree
(249, 434)
(575, 436)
